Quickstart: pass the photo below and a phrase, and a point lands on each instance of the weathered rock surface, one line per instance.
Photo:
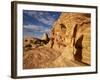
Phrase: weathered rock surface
(39, 57)
(71, 35)
(47, 58)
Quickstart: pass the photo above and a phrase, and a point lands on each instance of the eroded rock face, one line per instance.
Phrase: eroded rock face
(71, 34)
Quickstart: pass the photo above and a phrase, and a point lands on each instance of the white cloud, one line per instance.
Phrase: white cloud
(37, 28)
(33, 27)
(48, 20)
(43, 17)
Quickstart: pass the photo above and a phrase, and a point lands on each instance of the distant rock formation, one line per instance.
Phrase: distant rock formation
(45, 37)
(31, 42)
(71, 34)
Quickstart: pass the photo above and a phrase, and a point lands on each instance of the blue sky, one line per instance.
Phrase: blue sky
(35, 23)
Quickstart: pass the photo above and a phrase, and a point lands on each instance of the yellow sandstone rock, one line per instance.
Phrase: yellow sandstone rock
(71, 34)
